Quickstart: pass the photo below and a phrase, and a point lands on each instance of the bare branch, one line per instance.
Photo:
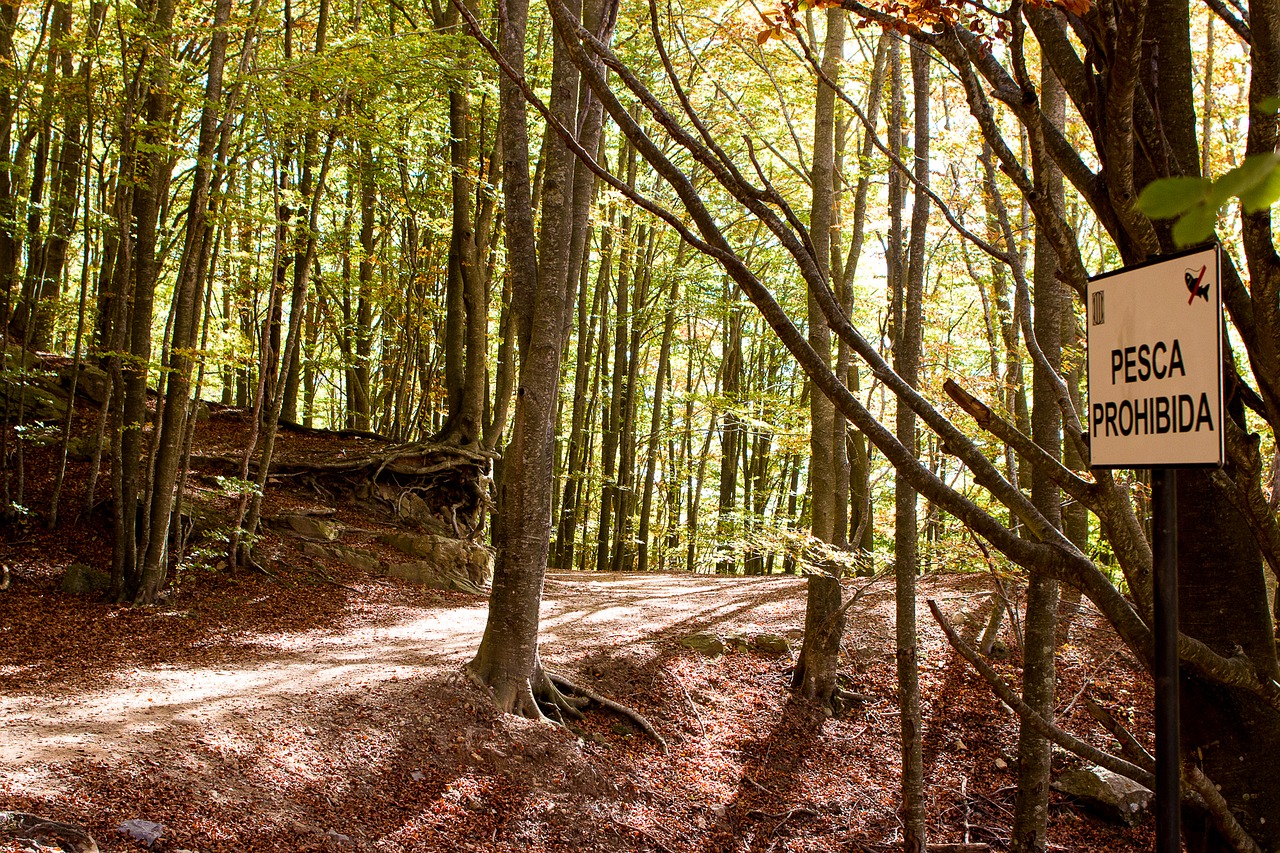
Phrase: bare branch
(1010, 697)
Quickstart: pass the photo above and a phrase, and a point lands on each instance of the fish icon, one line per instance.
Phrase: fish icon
(1194, 286)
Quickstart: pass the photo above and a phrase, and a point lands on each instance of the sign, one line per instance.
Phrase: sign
(1155, 363)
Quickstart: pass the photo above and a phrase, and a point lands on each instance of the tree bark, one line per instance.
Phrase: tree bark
(1029, 833)
(815, 674)
(906, 351)
(507, 659)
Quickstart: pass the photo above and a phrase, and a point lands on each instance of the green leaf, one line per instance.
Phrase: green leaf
(1269, 105)
(1196, 225)
(1265, 192)
(1243, 179)
(1168, 197)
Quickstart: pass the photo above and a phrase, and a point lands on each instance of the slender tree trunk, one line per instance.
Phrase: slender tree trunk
(187, 310)
(731, 434)
(583, 395)
(154, 171)
(1031, 807)
(655, 422)
(815, 674)
(907, 347)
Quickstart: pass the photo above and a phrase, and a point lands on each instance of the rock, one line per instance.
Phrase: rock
(143, 831)
(999, 651)
(1001, 764)
(413, 544)
(16, 358)
(737, 642)
(32, 832)
(356, 559)
(341, 840)
(434, 575)
(1109, 793)
(470, 564)
(80, 579)
(709, 644)
(94, 383)
(200, 520)
(81, 447)
(411, 507)
(308, 527)
(34, 396)
(771, 644)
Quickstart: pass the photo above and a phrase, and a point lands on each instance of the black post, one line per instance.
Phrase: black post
(1164, 542)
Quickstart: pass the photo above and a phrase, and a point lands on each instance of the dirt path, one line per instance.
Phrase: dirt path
(52, 723)
(296, 714)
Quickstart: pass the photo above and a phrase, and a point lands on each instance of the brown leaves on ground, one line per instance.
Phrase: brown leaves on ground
(292, 714)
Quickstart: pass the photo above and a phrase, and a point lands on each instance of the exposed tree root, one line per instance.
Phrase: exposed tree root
(567, 686)
(32, 832)
(551, 698)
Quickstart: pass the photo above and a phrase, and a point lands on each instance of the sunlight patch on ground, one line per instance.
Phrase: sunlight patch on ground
(119, 720)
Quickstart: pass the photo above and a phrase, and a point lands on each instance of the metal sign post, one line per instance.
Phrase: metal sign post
(1164, 551)
(1155, 401)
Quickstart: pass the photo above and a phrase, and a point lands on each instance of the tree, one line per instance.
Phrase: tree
(815, 675)
(543, 287)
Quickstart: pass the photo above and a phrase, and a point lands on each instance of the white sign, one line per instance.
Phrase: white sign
(1155, 363)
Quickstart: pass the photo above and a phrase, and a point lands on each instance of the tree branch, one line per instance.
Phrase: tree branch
(1009, 696)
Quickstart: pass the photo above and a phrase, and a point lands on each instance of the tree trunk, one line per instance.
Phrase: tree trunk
(543, 295)
(906, 362)
(815, 674)
(187, 310)
(730, 434)
(655, 422)
(1029, 833)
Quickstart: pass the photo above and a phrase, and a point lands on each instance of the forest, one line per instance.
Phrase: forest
(450, 413)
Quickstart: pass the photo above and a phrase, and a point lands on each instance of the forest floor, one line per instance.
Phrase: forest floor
(323, 708)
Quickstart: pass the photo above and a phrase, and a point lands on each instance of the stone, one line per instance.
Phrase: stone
(308, 527)
(439, 575)
(356, 559)
(35, 398)
(413, 544)
(79, 579)
(1108, 793)
(771, 644)
(81, 447)
(143, 831)
(470, 563)
(707, 643)
(16, 358)
(93, 383)
(411, 507)
(340, 839)
(200, 521)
